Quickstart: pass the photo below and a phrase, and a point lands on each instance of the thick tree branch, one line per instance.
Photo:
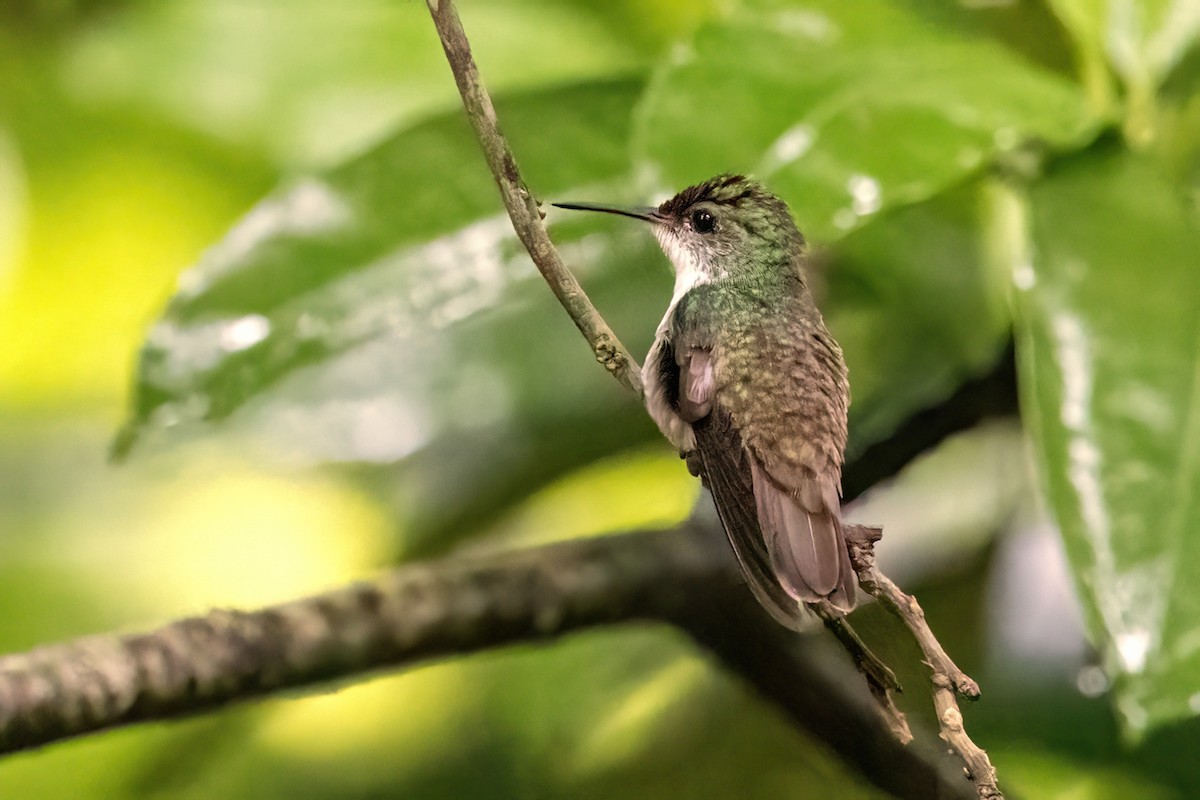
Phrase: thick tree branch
(522, 206)
(428, 611)
(684, 576)
(414, 613)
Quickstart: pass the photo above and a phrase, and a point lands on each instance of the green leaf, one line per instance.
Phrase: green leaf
(1109, 347)
(846, 108)
(310, 81)
(1143, 40)
(911, 305)
(356, 283)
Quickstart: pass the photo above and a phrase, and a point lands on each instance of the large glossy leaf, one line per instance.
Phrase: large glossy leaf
(846, 108)
(385, 308)
(336, 287)
(1110, 374)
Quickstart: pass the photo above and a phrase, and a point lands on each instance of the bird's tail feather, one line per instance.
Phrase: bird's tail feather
(804, 538)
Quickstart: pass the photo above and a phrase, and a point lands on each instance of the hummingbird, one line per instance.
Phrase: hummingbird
(747, 383)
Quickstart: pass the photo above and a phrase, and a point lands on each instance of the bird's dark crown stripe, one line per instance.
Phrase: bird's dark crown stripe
(722, 190)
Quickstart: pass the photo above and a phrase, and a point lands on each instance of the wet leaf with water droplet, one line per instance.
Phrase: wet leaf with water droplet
(391, 246)
(847, 108)
(385, 307)
(1109, 352)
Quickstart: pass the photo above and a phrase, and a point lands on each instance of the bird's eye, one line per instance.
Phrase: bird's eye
(703, 221)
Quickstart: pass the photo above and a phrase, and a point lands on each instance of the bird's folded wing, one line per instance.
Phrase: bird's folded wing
(728, 475)
(788, 538)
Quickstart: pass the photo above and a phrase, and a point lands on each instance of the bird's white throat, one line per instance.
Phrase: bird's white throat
(689, 271)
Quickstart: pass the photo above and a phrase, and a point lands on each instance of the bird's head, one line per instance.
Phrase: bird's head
(726, 227)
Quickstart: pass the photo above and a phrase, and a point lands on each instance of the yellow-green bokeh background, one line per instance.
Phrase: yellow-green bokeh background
(132, 135)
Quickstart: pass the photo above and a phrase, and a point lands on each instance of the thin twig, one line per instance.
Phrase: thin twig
(880, 679)
(948, 680)
(526, 218)
(522, 206)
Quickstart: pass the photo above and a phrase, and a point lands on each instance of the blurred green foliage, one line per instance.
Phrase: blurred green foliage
(365, 366)
(1112, 395)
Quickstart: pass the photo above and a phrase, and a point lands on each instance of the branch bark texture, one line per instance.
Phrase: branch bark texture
(949, 682)
(683, 576)
(415, 613)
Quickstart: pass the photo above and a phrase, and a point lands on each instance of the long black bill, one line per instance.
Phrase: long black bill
(644, 213)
